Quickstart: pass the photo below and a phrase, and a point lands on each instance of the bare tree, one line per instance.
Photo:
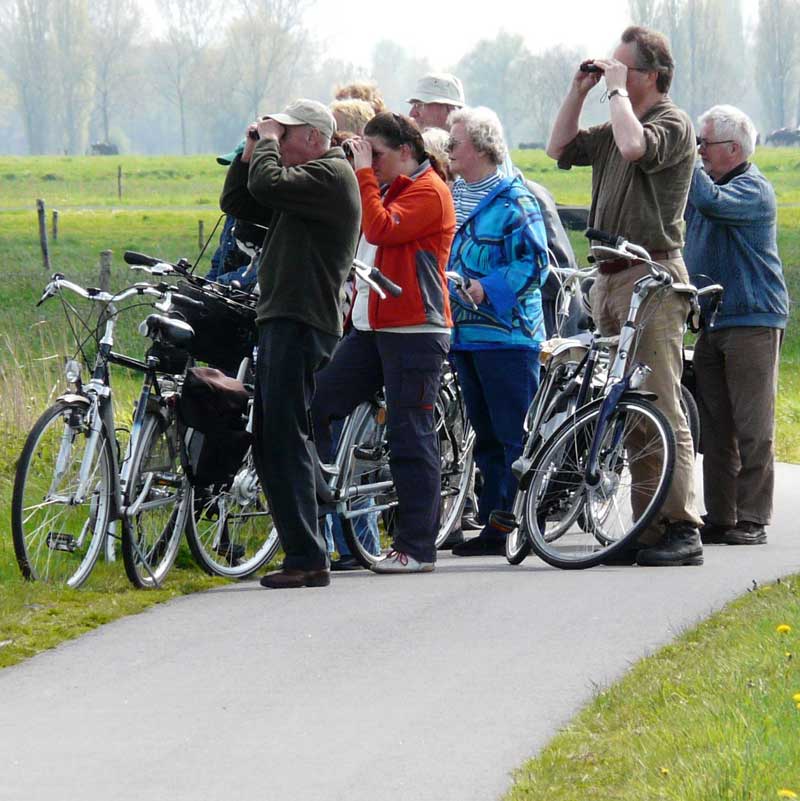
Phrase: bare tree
(777, 57)
(114, 25)
(25, 30)
(72, 71)
(190, 26)
(396, 72)
(644, 12)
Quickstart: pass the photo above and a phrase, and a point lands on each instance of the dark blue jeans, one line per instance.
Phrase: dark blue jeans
(409, 367)
(498, 387)
(289, 353)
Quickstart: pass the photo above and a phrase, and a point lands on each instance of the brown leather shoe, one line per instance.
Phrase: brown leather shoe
(292, 579)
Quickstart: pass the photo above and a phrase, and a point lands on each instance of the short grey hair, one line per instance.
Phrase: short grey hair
(484, 130)
(732, 123)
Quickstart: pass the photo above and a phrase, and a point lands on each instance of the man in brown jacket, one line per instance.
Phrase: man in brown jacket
(291, 178)
(642, 163)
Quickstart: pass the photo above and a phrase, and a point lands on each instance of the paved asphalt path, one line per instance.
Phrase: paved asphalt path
(405, 688)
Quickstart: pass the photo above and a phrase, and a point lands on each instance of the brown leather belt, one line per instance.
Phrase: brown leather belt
(612, 266)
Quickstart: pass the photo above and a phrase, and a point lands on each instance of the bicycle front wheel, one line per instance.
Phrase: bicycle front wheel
(575, 520)
(61, 504)
(229, 526)
(153, 509)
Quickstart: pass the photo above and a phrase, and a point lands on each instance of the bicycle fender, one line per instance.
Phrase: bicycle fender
(71, 397)
(639, 393)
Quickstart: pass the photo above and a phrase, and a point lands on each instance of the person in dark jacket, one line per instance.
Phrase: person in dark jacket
(731, 237)
(289, 177)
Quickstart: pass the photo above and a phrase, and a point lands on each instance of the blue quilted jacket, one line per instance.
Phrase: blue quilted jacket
(502, 244)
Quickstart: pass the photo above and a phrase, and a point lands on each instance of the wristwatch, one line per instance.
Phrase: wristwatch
(620, 92)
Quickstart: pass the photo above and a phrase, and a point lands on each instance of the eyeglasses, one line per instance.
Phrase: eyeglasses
(706, 142)
(452, 144)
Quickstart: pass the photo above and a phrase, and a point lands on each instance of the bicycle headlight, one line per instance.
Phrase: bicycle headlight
(72, 370)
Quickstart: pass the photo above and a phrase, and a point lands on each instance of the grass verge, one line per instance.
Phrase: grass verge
(713, 716)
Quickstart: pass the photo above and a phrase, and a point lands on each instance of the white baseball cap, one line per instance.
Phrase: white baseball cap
(307, 112)
(439, 87)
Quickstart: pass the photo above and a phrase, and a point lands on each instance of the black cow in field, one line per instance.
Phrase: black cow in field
(784, 137)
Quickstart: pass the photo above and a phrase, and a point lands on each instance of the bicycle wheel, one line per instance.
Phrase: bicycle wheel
(689, 406)
(154, 512)
(57, 535)
(576, 523)
(229, 526)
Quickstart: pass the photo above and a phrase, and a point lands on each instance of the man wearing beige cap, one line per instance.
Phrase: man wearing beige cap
(436, 95)
(290, 178)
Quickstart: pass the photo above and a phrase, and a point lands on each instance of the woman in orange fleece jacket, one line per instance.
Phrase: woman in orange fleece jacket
(407, 224)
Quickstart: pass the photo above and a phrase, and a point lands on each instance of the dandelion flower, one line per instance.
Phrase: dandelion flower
(796, 698)
(783, 628)
(665, 771)
(787, 794)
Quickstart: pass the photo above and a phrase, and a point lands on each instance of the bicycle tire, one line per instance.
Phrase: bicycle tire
(692, 413)
(573, 525)
(518, 545)
(229, 527)
(55, 540)
(153, 521)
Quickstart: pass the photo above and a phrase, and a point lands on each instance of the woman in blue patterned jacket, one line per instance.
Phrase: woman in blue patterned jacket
(501, 247)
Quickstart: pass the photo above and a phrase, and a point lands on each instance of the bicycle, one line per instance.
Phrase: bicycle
(70, 491)
(595, 482)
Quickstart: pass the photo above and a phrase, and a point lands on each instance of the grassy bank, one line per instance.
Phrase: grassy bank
(716, 715)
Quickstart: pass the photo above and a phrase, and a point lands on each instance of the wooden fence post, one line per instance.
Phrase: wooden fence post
(105, 270)
(119, 181)
(55, 225)
(201, 235)
(43, 234)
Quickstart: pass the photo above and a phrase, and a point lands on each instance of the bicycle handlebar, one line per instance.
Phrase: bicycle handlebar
(376, 279)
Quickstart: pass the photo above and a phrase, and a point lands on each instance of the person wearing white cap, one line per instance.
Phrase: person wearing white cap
(290, 177)
(436, 95)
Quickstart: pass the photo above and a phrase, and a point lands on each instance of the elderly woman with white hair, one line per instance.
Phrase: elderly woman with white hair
(500, 246)
(731, 238)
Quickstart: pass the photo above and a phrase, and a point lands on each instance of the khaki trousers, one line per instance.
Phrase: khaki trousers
(659, 345)
(737, 381)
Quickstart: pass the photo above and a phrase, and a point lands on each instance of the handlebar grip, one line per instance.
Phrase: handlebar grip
(134, 258)
(603, 237)
(384, 283)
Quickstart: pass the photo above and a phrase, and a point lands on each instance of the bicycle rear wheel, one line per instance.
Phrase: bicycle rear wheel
(58, 535)
(574, 522)
(153, 503)
(229, 526)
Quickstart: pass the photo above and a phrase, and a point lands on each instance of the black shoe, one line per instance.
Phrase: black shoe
(481, 546)
(288, 579)
(746, 533)
(681, 546)
(627, 556)
(453, 538)
(346, 563)
(714, 533)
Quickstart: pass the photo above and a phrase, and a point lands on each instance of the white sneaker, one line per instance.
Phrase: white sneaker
(399, 562)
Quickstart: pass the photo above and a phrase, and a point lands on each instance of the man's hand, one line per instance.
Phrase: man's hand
(615, 73)
(584, 82)
(270, 129)
(249, 141)
(475, 291)
(362, 153)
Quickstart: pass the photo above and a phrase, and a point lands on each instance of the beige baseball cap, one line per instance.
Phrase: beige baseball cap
(438, 87)
(307, 112)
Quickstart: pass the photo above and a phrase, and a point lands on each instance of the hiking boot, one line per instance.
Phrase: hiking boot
(481, 546)
(681, 546)
(623, 558)
(399, 562)
(346, 563)
(746, 533)
(714, 533)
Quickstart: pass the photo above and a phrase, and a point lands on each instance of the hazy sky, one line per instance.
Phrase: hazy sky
(443, 30)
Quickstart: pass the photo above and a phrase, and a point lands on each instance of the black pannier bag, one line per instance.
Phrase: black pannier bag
(171, 359)
(224, 331)
(213, 414)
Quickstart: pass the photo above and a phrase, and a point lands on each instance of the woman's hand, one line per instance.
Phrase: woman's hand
(362, 153)
(475, 291)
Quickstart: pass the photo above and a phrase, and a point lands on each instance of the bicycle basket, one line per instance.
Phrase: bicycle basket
(224, 332)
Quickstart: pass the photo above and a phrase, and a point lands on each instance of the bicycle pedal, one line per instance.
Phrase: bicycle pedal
(59, 541)
(368, 454)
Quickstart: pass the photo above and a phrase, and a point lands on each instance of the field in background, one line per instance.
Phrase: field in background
(162, 201)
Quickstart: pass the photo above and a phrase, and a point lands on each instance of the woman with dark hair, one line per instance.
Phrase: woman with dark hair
(399, 343)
